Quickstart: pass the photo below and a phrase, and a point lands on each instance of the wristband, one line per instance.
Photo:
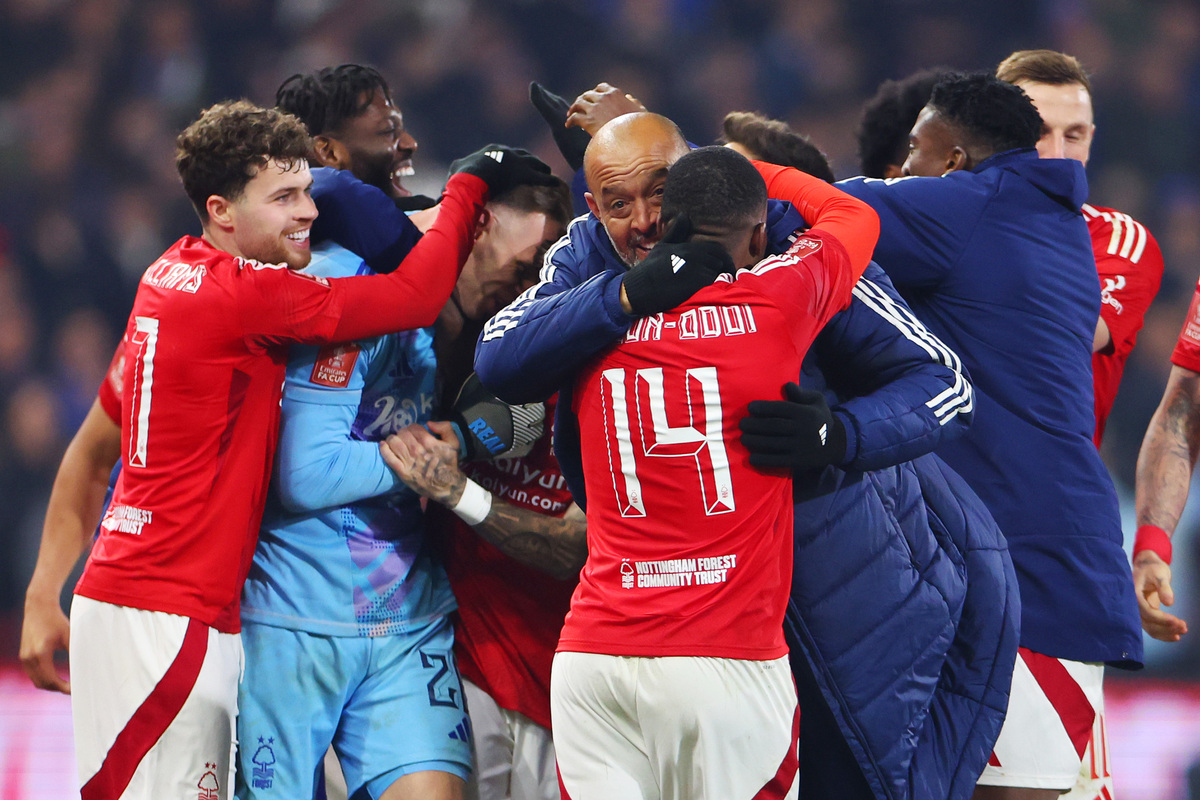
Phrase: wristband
(1154, 539)
(474, 505)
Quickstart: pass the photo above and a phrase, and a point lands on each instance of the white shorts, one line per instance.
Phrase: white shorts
(1094, 781)
(154, 704)
(673, 728)
(1052, 709)
(514, 756)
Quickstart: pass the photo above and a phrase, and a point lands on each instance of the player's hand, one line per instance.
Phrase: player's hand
(489, 428)
(799, 433)
(1152, 585)
(673, 271)
(44, 631)
(502, 168)
(571, 141)
(592, 109)
(426, 460)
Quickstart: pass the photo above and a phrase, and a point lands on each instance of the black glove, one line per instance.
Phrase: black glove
(489, 428)
(799, 432)
(674, 271)
(503, 167)
(553, 108)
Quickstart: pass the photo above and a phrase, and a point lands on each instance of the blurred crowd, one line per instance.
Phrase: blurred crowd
(92, 93)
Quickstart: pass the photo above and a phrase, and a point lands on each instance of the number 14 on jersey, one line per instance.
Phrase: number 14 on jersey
(636, 406)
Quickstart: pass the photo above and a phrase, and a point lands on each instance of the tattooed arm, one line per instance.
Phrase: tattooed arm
(1164, 474)
(428, 464)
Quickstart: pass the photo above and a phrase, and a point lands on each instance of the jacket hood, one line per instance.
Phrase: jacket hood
(1061, 179)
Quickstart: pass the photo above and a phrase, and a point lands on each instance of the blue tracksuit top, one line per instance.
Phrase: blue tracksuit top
(909, 388)
(997, 262)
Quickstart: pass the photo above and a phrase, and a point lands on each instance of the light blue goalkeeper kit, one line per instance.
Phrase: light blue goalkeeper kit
(342, 549)
(345, 608)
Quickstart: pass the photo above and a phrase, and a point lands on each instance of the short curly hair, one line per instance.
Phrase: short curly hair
(992, 113)
(220, 152)
(716, 187)
(888, 117)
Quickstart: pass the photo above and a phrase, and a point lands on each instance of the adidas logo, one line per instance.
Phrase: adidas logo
(677, 263)
(462, 731)
(498, 155)
(822, 433)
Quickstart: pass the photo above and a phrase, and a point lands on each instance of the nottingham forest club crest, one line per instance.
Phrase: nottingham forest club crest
(264, 764)
(208, 785)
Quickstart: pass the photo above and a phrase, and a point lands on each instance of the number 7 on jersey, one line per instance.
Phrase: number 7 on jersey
(695, 397)
(145, 339)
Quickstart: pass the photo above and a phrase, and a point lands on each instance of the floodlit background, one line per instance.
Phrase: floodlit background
(92, 93)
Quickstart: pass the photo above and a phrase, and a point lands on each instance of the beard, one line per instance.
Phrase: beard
(376, 171)
(277, 252)
(629, 258)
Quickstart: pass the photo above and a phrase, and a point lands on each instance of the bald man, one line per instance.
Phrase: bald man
(625, 166)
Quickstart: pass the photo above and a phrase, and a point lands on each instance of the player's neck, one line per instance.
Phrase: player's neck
(221, 240)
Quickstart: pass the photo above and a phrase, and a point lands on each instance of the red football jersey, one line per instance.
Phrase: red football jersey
(203, 376)
(509, 615)
(113, 385)
(1130, 267)
(689, 547)
(205, 351)
(1187, 349)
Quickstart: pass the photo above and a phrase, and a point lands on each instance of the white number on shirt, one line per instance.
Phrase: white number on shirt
(145, 339)
(702, 443)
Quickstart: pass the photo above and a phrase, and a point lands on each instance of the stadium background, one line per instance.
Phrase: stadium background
(92, 93)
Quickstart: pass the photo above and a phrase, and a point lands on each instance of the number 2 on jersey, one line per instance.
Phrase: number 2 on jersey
(698, 394)
(145, 339)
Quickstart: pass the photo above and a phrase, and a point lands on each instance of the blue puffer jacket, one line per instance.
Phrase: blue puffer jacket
(904, 696)
(903, 654)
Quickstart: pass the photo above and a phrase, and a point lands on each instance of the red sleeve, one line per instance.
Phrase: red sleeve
(809, 283)
(413, 295)
(280, 306)
(112, 387)
(827, 209)
(1127, 288)
(1187, 349)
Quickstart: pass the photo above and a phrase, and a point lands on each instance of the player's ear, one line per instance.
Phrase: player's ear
(220, 211)
(330, 152)
(958, 159)
(758, 241)
(484, 223)
(591, 204)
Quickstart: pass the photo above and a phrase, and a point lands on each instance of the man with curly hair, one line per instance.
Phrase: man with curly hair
(196, 388)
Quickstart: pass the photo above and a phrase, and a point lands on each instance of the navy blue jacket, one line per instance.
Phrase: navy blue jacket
(902, 696)
(903, 391)
(361, 218)
(998, 263)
